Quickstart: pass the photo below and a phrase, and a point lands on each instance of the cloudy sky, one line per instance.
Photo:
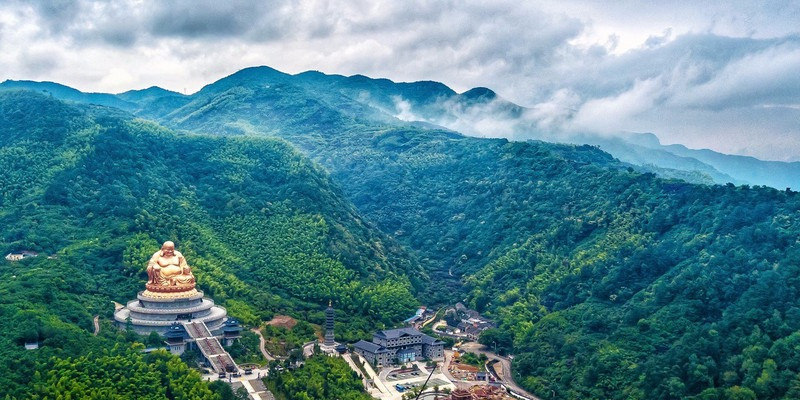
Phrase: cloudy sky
(722, 76)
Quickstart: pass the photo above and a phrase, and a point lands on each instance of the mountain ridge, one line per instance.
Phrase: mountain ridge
(432, 104)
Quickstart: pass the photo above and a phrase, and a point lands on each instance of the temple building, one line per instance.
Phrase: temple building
(231, 331)
(172, 306)
(399, 346)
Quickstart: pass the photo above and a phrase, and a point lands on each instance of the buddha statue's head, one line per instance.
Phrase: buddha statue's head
(168, 249)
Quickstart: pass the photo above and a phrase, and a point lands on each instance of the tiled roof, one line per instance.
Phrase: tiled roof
(399, 332)
(430, 340)
(369, 346)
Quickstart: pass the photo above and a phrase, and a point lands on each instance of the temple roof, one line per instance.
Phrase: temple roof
(431, 340)
(370, 347)
(176, 331)
(399, 332)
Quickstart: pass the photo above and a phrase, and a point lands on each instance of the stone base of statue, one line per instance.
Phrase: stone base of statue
(176, 291)
(156, 310)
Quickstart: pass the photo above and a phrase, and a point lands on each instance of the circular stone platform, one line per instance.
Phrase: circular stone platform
(153, 312)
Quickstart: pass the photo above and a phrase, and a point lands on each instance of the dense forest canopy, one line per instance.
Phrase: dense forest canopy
(97, 190)
(607, 282)
(321, 377)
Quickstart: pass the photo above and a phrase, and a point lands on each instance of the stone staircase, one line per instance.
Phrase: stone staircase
(220, 360)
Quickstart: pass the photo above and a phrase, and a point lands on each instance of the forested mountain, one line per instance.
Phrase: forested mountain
(98, 190)
(661, 290)
(63, 92)
(607, 282)
(433, 189)
(750, 169)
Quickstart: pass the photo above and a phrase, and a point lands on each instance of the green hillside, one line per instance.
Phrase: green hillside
(440, 193)
(660, 290)
(264, 228)
(607, 282)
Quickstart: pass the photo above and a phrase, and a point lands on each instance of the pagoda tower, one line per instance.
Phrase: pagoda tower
(329, 314)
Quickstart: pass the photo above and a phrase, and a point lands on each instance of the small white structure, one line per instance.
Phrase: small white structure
(16, 256)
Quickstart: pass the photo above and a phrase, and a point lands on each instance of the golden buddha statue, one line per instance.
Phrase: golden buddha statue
(168, 272)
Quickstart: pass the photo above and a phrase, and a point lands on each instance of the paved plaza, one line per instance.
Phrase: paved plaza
(385, 387)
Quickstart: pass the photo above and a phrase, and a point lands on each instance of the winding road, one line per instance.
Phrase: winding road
(261, 343)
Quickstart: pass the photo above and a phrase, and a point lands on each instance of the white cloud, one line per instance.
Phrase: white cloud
(578, 65)
(403, 110)
(554, 113)
(767, 76)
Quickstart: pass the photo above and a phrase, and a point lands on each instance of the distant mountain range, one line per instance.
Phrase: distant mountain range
(436, 106)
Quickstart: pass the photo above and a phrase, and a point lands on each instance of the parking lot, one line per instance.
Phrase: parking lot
(401, 380)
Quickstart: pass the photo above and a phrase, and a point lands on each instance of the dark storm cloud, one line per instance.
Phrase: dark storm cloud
(57, 15)
(38, 61)
(79, 23)
(124, 24)
(212, 18)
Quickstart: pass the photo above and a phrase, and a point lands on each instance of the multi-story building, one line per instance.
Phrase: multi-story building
(400, 345)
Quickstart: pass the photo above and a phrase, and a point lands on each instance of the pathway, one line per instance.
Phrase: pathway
(376, 381)
(448, 358)
(261, 345)
(308, 349)
(433, 318)
(355, 368)
(257, 390)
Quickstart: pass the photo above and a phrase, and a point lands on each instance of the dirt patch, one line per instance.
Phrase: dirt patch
(283, 321)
